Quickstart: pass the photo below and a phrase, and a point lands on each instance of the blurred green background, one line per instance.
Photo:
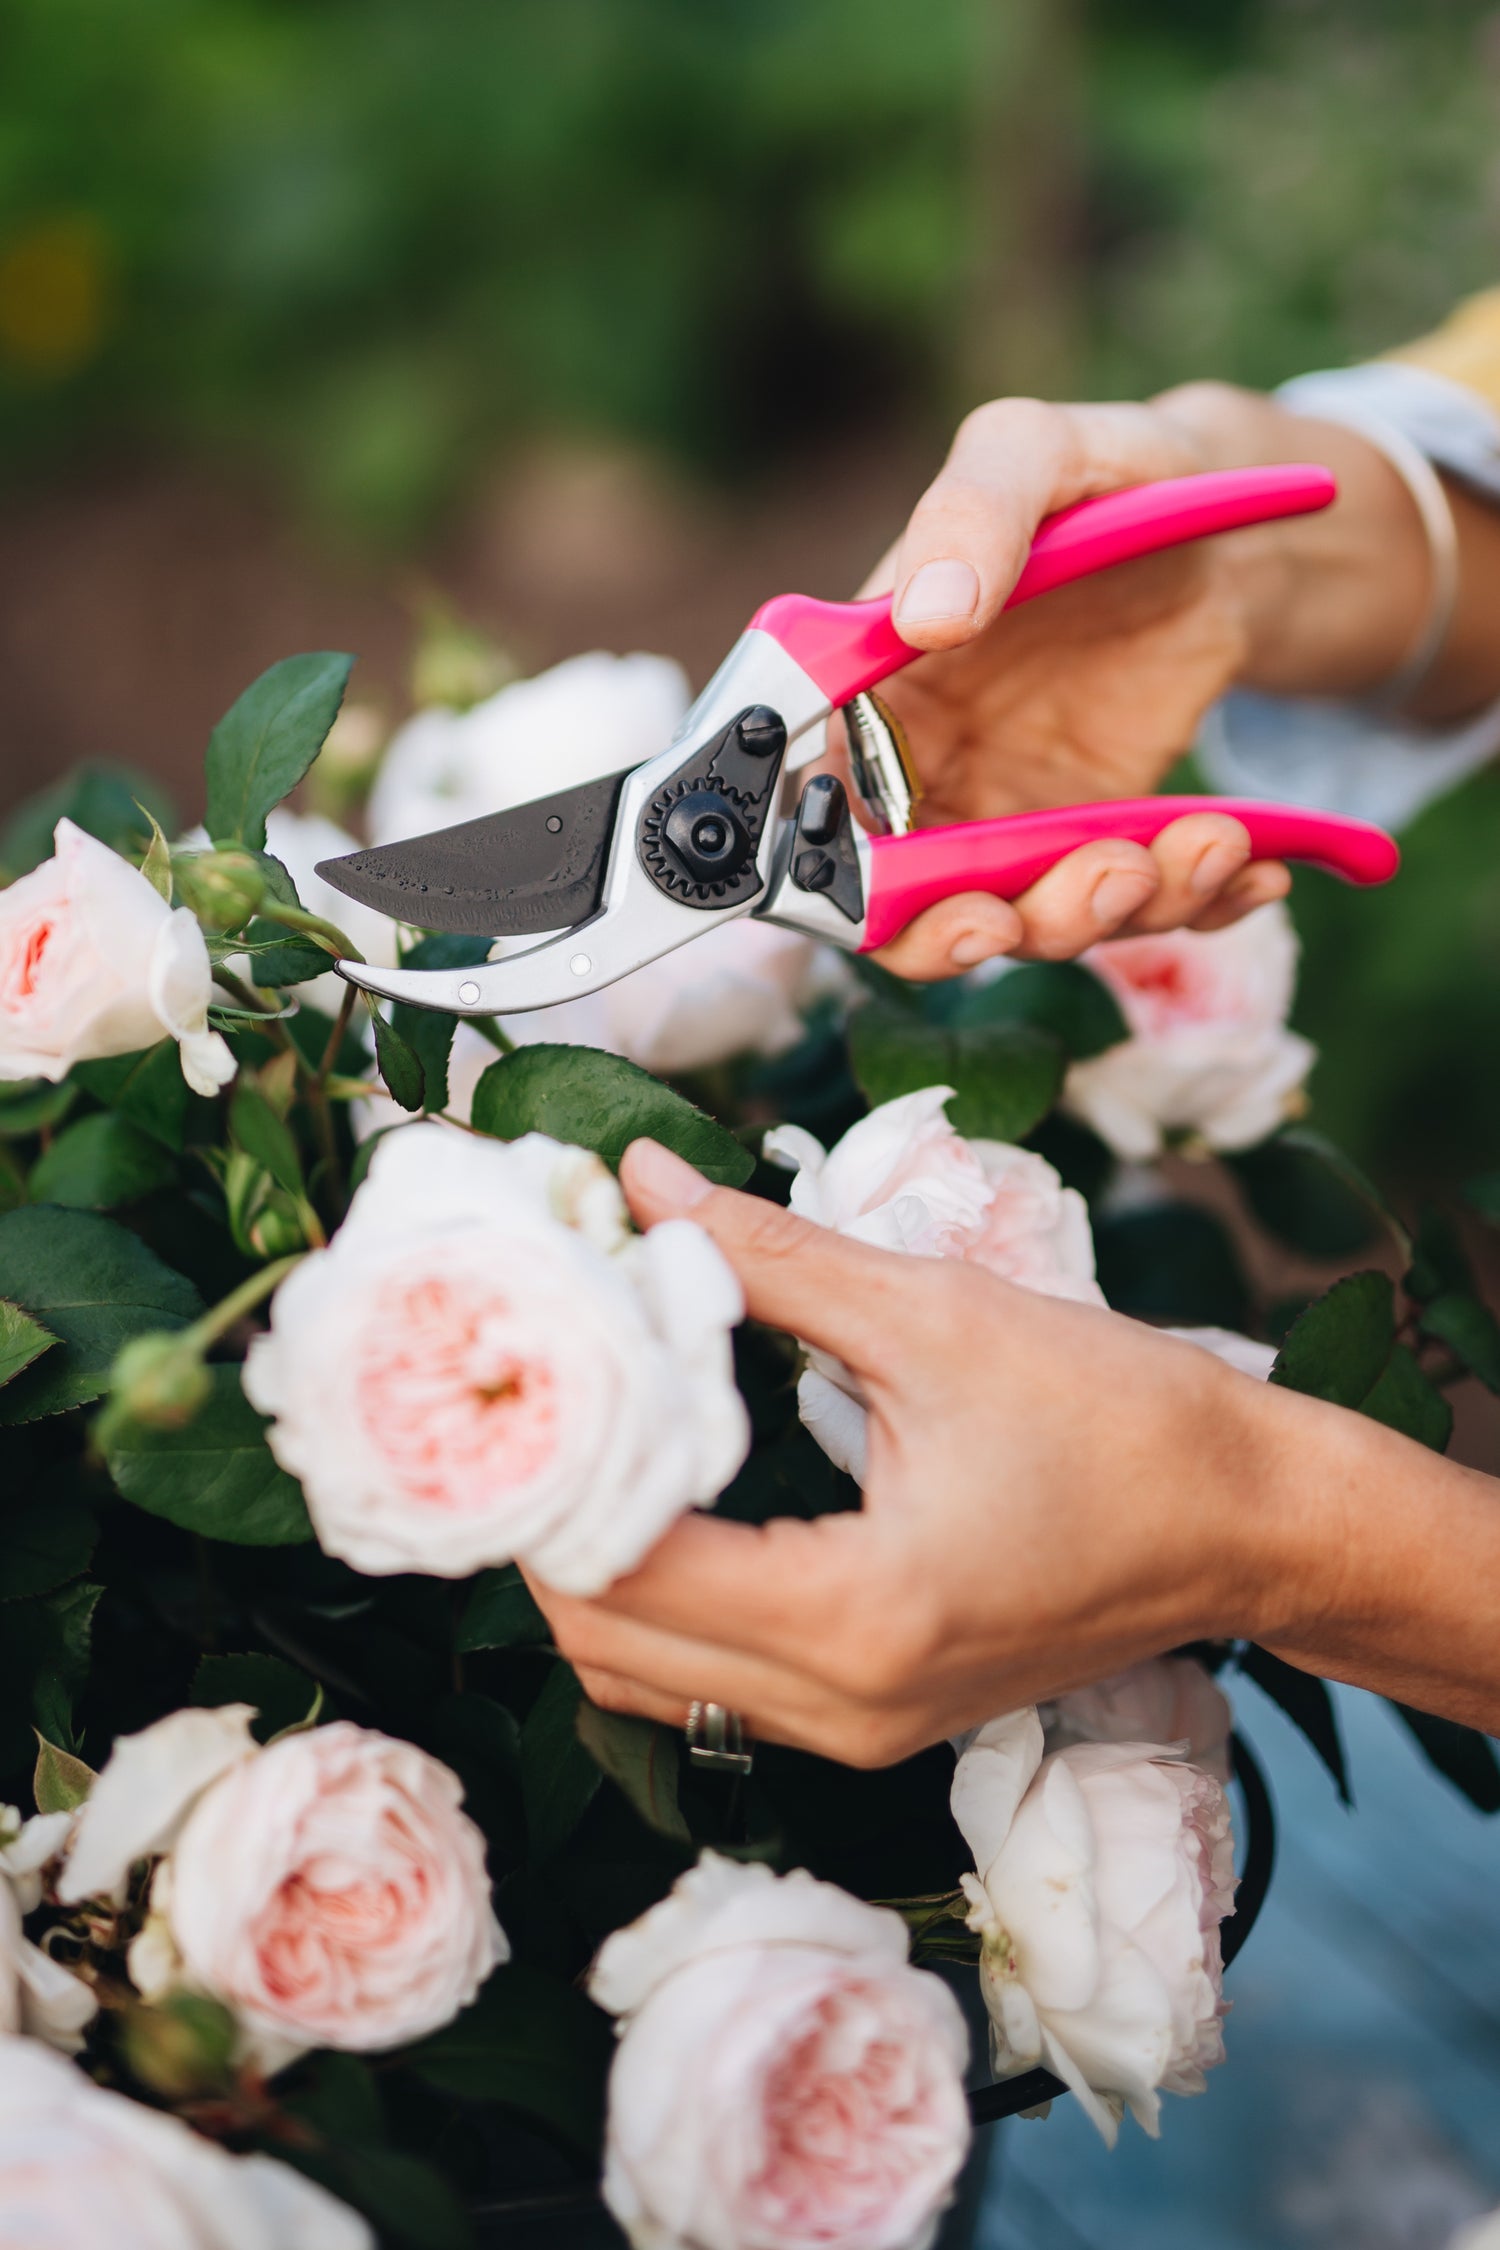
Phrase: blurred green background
(600, 319)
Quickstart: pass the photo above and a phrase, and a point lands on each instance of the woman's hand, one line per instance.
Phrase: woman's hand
(1054, 1491)
(1096, 690)
(1039, 1510)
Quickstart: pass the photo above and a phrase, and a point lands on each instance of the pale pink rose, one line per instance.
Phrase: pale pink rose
(590, 715)
(38, 1994)
(903, 1179)
(487, 1364)
(1209, 1051)
(785, 2079)
(1103, 1874)
(1167, 1699)
(93, 962)
(85, 2169)
(329, 1889)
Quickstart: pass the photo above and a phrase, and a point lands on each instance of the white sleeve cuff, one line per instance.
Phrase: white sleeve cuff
(1349, 757)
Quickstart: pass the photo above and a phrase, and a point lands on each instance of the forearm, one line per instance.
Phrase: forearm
(1333, 603)
(1370, 1559)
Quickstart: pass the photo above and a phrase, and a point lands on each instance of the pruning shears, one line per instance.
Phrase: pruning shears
(579, 887)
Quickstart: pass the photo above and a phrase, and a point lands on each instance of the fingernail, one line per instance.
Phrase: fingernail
(661, 1174)
(1216, 865)
(973, 947)
(938, 589)
(1120, 893)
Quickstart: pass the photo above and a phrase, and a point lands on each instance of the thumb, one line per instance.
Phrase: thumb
(842, 1296)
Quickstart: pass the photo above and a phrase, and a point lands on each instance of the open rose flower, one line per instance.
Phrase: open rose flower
(1104, 1871)
(328, 1889)
(487, 1365)
(903, 1179)
(1168, 1699)
(785, 2079)
(37, 1994)
(592, 714)
(81, 2167)
(93, 962)
(1209, 1051)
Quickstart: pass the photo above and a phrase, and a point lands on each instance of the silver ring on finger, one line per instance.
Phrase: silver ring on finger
(716, 1739)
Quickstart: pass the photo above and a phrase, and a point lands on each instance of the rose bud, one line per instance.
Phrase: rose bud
(223, 888)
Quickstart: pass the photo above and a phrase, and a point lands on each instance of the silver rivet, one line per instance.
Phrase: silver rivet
(580, 964)
(554, 825)
(468, 993)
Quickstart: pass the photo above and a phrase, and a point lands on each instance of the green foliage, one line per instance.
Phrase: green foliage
(110, 802)
(601, 1102)
(44, 1541)
(146, 1089)
(559, 1778)
(22, 1340)
(283, 1696)
(397, 1063)
(44, 1660)
(93, 1286)
(60, 1782)
(1005, 1075)
(1461, 1754)
(532, 2044)
(500, 1613)
(266, 741)
(1308, 1704)
(428, 1032)
(1307, 1194)
(255, 1127)
(1058, 997)
(1172, 1262)
(641, 1759)
(100, 1163)
(216, 1476)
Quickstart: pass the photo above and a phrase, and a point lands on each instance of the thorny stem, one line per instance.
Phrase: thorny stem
(274, 1029)
(326, 934)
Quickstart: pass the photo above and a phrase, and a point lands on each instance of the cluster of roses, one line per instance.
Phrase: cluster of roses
(487, 1364)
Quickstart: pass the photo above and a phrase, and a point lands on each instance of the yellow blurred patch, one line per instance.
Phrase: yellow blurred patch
(53, 294)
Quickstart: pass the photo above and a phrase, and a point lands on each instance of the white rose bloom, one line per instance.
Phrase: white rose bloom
(486, 1365)
(1167, 1699)
(903, 1179)
(594, 713)
(785, 2078)
(81, 2168)
(1481, 2234)
(1209, 1051)
(93, 962)
(1104, 1871)
(37, 1994)
(268, 1862)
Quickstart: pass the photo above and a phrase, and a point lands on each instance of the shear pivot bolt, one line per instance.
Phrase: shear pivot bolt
(580, 964)
(468, 993)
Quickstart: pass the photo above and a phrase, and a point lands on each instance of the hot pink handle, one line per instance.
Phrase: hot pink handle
(846, 647)
(908, 873)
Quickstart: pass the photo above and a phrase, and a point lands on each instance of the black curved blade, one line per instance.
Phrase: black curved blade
(511, 874)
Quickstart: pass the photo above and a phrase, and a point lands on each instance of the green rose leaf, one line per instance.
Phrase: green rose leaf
(30, 1105)
(1305, 1192)
(22, 1340)
(411, 2203)
(500, 1613)
(559, 1780)
(148, 1088)
(1058, 997)
(255, 1127)
(43, 1543)
(1482, 1194)
(1341, 1346)
(397, 1063)
(530, 2043)
(266, 741)
(278, 957)
(44, 1662)
(429, 1031)
(1470, 1331)
(283, 1695)
(94, 1285)
(99, 1163)
(1439, 1262)
(641, 1759)
(1405, 1400)
(1460, 1754)
(602, 1102)
(1005, 1076)
(60, 1782)
(1307, 1703)
(217, 1476)
(480, 1740)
